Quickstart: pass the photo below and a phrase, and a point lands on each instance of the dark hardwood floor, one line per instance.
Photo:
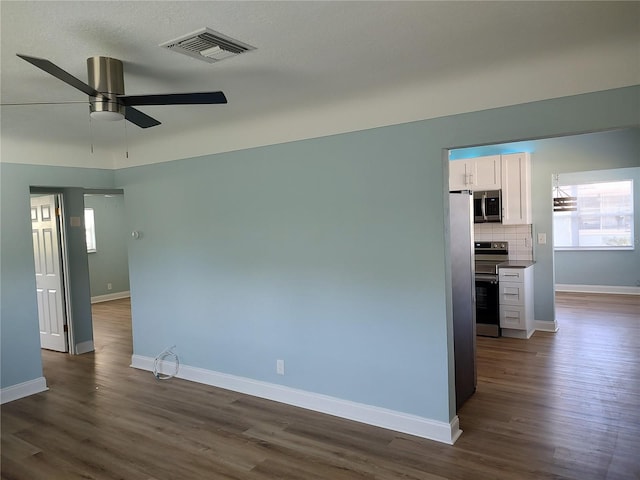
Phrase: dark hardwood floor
(558, 406)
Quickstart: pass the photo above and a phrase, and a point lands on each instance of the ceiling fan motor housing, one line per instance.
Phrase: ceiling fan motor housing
(106, 75)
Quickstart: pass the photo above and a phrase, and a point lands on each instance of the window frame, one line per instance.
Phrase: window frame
(572, 189)
(90, 230)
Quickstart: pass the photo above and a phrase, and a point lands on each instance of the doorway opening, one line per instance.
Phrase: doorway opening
(107, 256)
(611, 150)
(62, 263)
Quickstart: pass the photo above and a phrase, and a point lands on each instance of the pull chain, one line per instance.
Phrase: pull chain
(126, 141)
(91, 134)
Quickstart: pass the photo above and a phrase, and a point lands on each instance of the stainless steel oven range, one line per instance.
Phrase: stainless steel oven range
(488, 255)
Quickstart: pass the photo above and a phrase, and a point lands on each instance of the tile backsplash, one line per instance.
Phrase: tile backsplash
(520, 238)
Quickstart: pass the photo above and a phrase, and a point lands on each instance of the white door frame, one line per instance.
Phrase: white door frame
(64, 258)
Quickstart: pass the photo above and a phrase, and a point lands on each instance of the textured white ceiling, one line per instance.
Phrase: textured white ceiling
(319, 67)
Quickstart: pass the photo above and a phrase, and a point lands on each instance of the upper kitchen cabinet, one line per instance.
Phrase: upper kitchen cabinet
(516, 189)
(480, 173)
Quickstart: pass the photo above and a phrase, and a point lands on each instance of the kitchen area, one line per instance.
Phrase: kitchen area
(491, 255)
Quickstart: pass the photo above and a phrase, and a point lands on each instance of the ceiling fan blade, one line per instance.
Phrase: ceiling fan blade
(60, 74)
(202, 98)
(140, 119)
(70, 102)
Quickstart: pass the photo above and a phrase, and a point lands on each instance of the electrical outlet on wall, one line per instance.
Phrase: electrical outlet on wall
(280, 367)
(109, 286)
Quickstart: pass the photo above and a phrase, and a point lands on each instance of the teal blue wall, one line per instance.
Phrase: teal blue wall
(77, 266)
(20, 340)
(615, 149)
(329, 253)
(601, 267)
(109, 264)
(323, 253)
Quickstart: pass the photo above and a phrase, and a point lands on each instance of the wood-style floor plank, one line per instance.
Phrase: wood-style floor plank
(562, 405)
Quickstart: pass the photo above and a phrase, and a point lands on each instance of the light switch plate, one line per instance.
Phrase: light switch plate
(542, 238)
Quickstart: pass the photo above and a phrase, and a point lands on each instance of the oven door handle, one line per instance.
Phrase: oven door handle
(493, 279)
(483, 206)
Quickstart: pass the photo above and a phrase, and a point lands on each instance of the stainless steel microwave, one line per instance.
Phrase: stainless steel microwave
(487, 206)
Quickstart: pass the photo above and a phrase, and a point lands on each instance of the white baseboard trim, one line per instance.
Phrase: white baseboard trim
(110, 296)
(513, 333)
(24, 389)
(84, 347)
(545, 326)
(614, 289)
(371, 415)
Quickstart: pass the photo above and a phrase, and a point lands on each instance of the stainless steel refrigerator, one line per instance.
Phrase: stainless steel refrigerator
(463, 293)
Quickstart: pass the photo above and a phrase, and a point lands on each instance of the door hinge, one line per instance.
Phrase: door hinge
(58, 212)
(65, 328)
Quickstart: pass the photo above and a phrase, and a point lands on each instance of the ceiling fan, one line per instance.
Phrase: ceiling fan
(105, 88)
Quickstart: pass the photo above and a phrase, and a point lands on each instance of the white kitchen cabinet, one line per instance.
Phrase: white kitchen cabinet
(510, 173)
(512, 293)
(516, 189)
(515, 286)
(511, 275)
(458, 176)
(480, 173)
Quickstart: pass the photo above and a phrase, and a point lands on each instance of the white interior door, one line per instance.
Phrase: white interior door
(46, 255)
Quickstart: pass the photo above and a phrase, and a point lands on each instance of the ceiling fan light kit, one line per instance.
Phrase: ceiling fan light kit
(105, 114)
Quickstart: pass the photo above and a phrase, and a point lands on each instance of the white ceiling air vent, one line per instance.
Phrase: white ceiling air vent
(207, 45)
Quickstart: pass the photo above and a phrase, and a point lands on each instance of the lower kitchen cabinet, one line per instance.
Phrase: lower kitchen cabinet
(516, 302)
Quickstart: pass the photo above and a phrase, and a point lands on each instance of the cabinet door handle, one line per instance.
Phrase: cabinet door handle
(483, 207)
